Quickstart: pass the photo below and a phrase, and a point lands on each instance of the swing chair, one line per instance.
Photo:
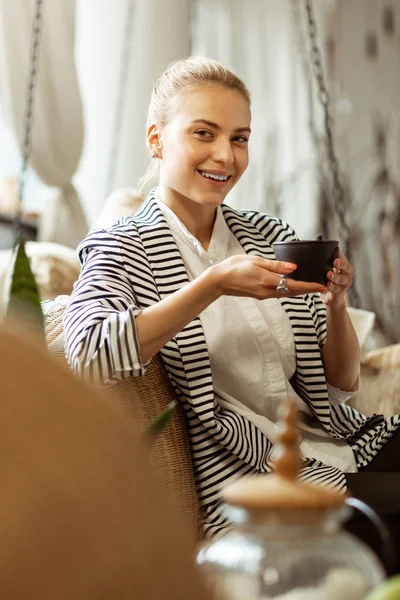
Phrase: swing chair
(145, 397)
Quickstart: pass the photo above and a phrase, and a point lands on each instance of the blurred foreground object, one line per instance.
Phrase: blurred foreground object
(287, 542)
(389, 590)
(24, 300)
(81, 515)
(55, 269)
(143, 399)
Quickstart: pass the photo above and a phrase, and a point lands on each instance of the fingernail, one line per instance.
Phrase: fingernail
(324, 289)
(339, 263)
(289, 266)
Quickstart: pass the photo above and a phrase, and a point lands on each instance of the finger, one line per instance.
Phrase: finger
(345, 269)
(343, 264)
(337, 289)
(339, 278)
(277, 266)
(295, 288)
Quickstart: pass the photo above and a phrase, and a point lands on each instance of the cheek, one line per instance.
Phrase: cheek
(187, 157)
(242, 161)
(179, 152)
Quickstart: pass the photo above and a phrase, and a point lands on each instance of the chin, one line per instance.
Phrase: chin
(211, 197)
(213, 200)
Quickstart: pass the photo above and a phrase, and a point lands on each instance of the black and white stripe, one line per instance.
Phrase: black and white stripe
(136, 263)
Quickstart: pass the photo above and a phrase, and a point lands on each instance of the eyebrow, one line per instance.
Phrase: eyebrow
(215, 126)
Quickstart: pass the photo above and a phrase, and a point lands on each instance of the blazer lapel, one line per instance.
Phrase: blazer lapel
(312, 388)
(186, 356)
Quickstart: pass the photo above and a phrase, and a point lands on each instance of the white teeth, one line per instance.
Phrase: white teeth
(211, 176)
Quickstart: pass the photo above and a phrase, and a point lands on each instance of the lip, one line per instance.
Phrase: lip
(215, 172)
(215, 182)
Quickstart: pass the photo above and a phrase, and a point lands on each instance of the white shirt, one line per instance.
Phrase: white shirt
(252, 351)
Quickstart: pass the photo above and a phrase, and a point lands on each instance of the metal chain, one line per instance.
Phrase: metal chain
(337, 187)
(121, 91)
(30, 96)
(316, 58)
(301, 45)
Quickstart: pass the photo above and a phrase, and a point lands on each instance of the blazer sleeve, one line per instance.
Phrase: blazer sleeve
(101, 342)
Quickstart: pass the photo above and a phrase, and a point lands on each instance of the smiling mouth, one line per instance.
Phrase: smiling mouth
(213, 177)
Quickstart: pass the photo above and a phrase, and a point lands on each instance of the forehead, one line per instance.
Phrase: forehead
(227, 108)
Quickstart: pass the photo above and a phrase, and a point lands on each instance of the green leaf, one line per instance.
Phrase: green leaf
(24, 302)
(157, 425)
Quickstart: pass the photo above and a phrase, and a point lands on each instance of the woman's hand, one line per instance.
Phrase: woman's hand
(339, 281)
(256, 277)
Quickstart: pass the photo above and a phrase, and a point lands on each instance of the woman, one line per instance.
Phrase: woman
(197, 281)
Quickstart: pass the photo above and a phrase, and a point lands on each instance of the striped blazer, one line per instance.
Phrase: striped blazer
(136, 263)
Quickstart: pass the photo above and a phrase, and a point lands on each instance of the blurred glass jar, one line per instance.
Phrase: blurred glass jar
(289, 555)
(287, 542)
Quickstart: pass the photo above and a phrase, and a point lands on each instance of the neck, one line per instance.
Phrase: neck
(198, 219)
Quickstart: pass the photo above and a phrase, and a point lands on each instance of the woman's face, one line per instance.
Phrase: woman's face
(204, 145)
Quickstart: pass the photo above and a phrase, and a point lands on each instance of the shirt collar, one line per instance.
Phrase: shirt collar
(218, 248)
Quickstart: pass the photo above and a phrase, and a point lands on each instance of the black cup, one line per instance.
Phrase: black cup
(314, 258)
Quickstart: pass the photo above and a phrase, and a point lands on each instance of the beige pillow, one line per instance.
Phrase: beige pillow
(380, 382)
(121, 203)
(384, 358)
(55, 267)
(363, 323)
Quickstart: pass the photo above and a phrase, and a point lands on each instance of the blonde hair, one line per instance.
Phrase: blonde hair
(180, 76)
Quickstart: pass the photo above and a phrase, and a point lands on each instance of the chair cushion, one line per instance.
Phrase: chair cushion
(383, 358)
(380, 383)
(121, 203)
(55, 267)
(144, 398)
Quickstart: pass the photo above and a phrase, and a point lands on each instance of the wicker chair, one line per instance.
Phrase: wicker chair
(143, 398)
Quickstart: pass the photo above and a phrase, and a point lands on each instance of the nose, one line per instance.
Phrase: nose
(222, 151)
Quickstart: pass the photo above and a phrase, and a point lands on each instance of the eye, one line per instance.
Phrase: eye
(241, 139)
(203, 133)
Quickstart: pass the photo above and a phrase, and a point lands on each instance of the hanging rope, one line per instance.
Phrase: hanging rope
(333, 163)
(316, 61)
(126, 56)
(26, 148)
(301, 45)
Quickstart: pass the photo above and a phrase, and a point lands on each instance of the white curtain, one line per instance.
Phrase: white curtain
(256, 39)
(160, 34)
(57, 133)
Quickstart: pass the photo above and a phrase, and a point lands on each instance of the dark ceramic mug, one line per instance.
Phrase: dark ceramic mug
(314, 258)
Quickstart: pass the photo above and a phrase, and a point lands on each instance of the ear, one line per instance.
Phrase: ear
(154, 140)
